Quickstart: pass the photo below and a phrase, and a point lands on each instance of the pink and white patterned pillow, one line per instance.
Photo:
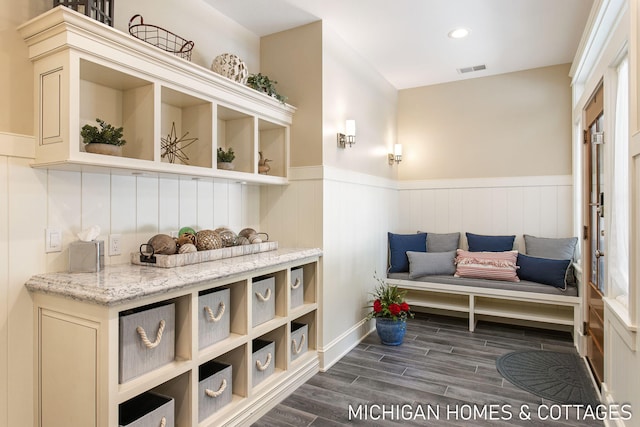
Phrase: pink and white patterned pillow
(487, 265)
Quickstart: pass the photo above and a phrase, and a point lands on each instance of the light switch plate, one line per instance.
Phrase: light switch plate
(53, 240)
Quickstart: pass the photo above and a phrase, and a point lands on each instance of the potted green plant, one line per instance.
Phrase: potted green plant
(390, 311)
(225, 158)
(262, 83)
(105, 140)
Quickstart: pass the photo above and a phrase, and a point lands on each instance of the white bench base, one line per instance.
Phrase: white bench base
(552, 311)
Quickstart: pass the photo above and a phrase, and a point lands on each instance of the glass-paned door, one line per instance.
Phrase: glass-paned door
(595, 234)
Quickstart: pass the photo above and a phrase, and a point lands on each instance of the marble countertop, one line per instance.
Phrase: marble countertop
(117, 284)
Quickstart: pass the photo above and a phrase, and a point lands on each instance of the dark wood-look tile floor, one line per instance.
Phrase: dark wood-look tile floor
(442, 375)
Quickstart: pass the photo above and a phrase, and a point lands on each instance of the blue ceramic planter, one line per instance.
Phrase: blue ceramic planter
(391, 332)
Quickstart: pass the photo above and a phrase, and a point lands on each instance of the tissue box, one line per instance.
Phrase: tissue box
(86, 257)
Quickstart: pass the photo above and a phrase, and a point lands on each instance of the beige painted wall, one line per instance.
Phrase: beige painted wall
(353, 90)
(16, 76)
(516, 124)
(294, 59)
(212, 32)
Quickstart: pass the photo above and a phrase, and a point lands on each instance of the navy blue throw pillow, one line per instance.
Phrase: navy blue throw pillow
(399, 244)
(543, 270)
(480, 243)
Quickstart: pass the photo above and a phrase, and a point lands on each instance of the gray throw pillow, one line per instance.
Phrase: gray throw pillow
(442, 242)
(431, 263)
(553, 248)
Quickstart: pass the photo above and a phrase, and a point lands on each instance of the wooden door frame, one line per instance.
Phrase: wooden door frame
(592, 111)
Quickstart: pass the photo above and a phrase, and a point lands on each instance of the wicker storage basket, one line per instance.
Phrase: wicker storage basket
(161, 38)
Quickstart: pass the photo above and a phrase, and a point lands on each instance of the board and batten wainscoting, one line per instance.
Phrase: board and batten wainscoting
(535, 205)
(136, 207)
(348, 214)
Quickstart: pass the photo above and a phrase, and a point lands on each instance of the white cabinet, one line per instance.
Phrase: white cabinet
(85, 70)
(78, 343)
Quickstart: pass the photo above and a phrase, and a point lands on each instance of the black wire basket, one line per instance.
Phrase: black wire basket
(161, 38)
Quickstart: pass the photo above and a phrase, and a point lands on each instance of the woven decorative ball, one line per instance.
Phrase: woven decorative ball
(187, 238)
(229, 238)
(187, 248)
(243, 241)
(246, 232)
(207, 240)
(231, 66)
(255, 238)
(163, 244)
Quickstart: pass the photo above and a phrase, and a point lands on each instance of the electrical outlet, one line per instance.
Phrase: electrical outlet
(53, 240)
(114, 245)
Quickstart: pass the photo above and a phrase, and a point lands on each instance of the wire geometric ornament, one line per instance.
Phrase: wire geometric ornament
(172, 146)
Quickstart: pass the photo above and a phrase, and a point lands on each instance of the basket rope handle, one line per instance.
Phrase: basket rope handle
(145, 340)
(264, 297)
(297, 348)
(221, 389)
(267, 362)
(163, 422)
(134, 17)
(296, 284)
(217, 317)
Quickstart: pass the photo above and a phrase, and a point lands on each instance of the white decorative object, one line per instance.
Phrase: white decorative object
(230, 66)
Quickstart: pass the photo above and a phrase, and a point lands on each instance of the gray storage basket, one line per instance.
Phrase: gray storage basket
(297, 287)
(299, 340)
(213, 316)
(147, 340)
(263, 301)
(215, 388)
(263, 360)
(147, 410)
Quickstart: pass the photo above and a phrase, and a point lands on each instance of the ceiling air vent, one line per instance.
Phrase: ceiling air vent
(472, 69)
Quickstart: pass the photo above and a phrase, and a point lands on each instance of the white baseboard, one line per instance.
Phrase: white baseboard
(336, 349)
(608, 399)
(262, 403)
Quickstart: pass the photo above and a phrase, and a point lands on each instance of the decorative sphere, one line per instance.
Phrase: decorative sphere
(163, 244)
(231, 67)
(243, 240)
(229, 238)
(187, 248)
(207, 240)
(246, 232)
(186, 230)
(187, 238)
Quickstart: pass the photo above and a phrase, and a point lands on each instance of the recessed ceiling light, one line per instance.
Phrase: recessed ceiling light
(458, 33)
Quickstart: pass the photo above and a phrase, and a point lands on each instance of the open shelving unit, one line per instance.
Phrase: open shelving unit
(85, 70)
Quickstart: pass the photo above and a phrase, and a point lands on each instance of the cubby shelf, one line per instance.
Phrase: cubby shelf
(85, 70)
(68, 327)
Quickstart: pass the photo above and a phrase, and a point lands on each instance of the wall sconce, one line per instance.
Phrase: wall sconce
(396, 156)
(349, 137)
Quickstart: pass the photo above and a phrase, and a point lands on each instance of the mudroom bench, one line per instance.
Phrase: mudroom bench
(491, 299)
(491, 280)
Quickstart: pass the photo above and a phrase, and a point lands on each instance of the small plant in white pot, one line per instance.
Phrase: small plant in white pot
(106, 140)
(225, 158)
